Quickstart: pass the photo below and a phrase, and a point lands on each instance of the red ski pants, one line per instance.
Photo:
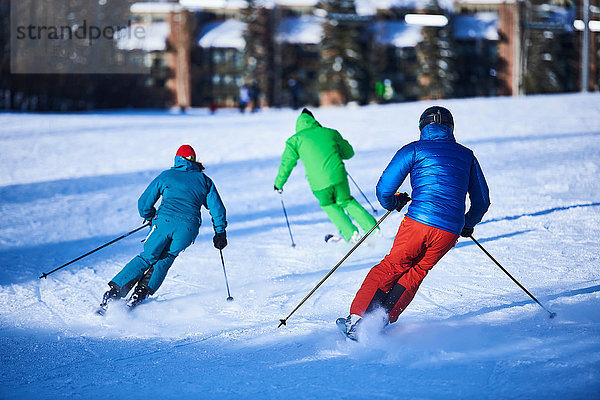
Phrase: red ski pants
(416, 249)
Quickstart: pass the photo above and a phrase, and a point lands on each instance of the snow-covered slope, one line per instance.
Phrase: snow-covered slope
(69, 183)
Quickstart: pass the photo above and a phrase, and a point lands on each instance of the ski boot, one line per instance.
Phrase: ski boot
(140, 293)
(349, 326)
(329, 238)
(109, 295)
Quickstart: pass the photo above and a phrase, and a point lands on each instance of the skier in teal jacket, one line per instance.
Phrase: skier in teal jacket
(184, 189)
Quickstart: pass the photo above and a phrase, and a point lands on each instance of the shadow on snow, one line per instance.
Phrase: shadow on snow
(25, 263)
(27, 192)
(538, 213)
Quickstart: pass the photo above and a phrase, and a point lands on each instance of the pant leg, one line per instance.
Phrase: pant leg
(416, 249)
(134, 270)
(344, 199)
(183, 234)
(407, 250)
(438, 242)
(159, 272)
(336, 214)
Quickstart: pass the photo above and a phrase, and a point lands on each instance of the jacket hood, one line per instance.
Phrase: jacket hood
(305, 121)
(437, 132)
(182, 164)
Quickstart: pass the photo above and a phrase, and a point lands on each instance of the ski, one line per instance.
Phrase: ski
(132, 306)
(139, 295)
(343, 327)
(329, 238)
(103, 307)
(107, 297)
(101, 310)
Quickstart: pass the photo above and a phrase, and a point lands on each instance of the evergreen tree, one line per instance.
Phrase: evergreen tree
(437, 75)
(344, 54)
(259, 51)
(550, 57)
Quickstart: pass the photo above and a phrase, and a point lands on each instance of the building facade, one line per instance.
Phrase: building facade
(485, 48)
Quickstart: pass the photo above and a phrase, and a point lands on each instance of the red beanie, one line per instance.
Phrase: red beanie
(186, 151)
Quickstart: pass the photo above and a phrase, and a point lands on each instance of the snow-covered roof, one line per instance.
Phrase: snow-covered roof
(447, 5)
(476, 26)
(396, 33)
(154, 7)
(363, 7)
(223, 34)
(553, 14)
(296, 3)
(306, 29)
(230, 33)
(144, 36)
(485, 2)
(213, 4)
(240, 4)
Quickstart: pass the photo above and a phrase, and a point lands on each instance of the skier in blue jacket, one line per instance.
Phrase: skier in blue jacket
(442, 172)
(184, 189)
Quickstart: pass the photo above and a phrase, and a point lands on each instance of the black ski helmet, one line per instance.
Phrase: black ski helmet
(437, 115)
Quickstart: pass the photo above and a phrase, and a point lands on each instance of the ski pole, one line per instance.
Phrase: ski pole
(44, 275)
(286, 219)
(284, 321)
(552, 314)
(229, 298)
(361, 192)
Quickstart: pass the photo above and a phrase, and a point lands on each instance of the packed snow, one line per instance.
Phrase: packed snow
(70, 183)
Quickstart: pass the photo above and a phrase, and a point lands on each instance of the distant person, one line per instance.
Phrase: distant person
(255, 97)
(379, 91)
(322, 151)
(213, 107)
(442, 172)
(184, 190)
(244, 98)
(294, 93)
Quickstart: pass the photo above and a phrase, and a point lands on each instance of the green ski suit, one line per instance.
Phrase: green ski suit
(322, 151)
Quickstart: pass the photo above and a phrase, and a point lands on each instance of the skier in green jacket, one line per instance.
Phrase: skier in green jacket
(322, 151)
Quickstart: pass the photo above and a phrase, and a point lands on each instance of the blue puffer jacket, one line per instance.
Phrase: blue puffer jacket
(184, 190)
(442, 172)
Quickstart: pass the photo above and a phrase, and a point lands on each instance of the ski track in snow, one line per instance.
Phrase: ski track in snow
(70, 183)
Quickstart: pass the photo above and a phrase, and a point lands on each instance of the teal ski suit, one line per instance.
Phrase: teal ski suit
(184, 189)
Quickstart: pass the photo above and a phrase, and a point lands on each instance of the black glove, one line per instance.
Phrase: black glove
(401, 200)
(466, 232)
(220, 240)
(275, 188)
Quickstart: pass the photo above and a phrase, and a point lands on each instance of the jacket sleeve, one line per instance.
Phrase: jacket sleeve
(215, 206)
(289, 159)
(393, 176)
(479, 196)
(344, 147)
(149, 197)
